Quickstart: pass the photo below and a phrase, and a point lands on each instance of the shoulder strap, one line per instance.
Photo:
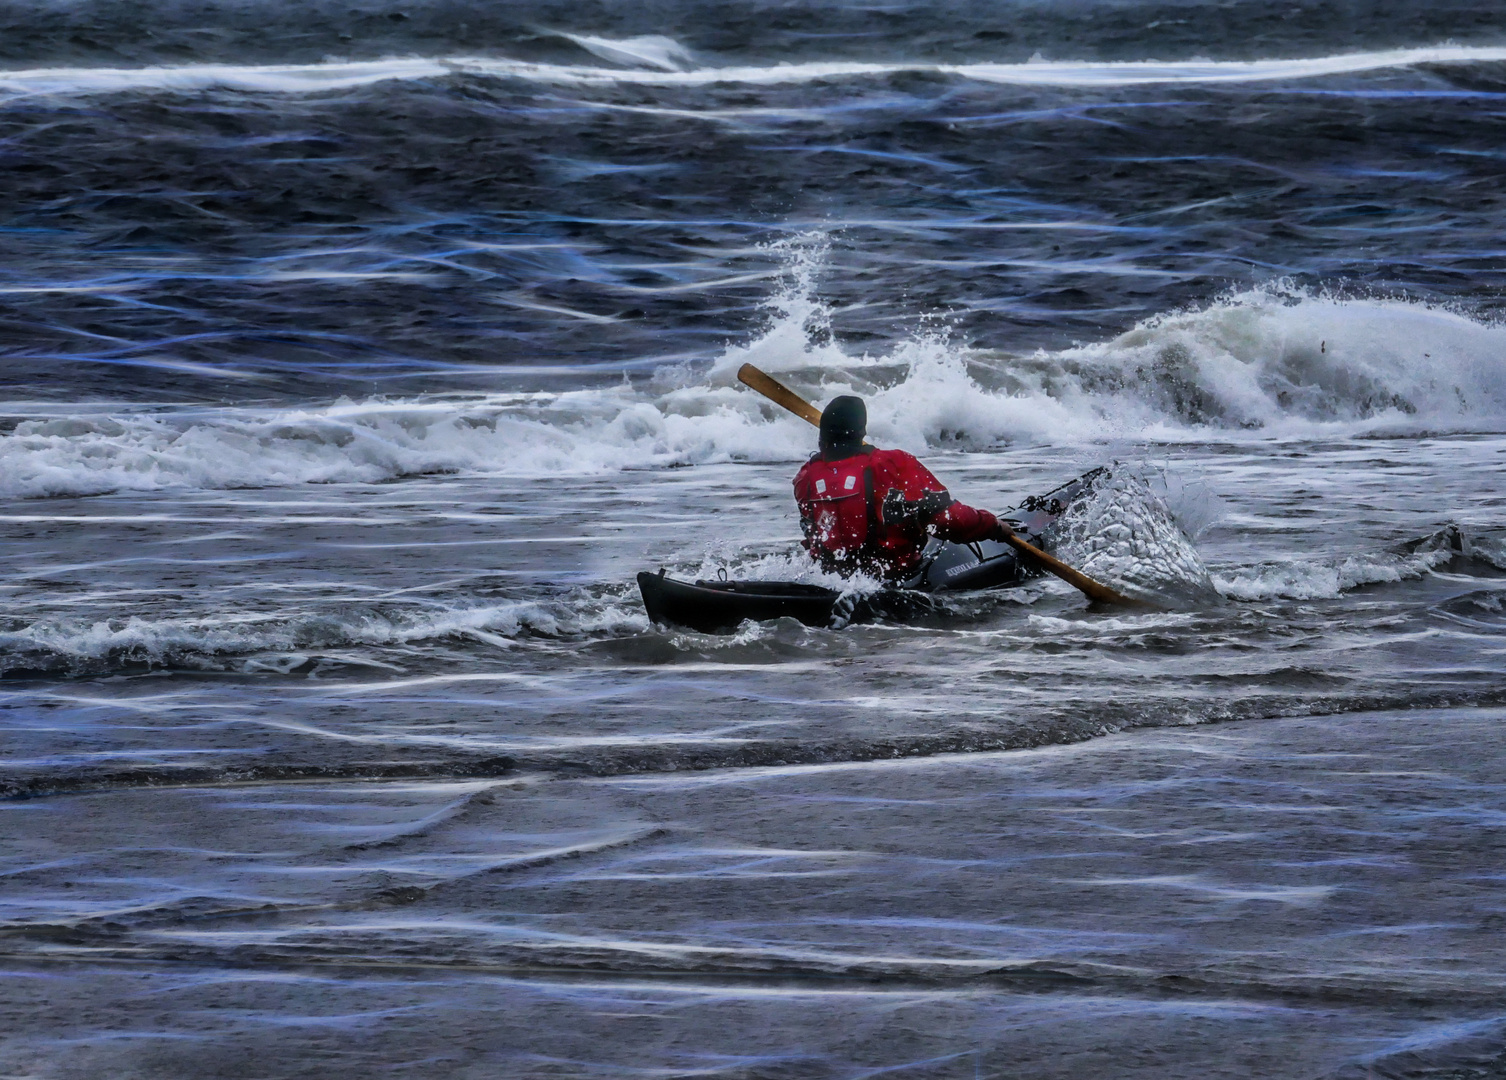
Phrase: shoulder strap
(873, 511)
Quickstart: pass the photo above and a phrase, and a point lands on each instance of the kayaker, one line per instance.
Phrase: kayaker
(872, 511)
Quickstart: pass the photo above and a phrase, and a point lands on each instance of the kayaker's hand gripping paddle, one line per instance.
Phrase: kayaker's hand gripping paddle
(780, 394)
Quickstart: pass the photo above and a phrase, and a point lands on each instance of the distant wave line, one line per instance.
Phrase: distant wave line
(315, 78)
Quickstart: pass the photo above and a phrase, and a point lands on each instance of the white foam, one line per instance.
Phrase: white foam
(1324, 579)
(1490, 549)
(1267, 362)
(1148, 72)
(576, 433)
(283, 642)
(267, 78)
(792, 564)
(1284, 359)
(1261, 364)
(648, 50)
(660, 61)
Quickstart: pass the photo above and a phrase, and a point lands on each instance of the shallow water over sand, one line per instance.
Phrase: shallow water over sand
(1280, 898)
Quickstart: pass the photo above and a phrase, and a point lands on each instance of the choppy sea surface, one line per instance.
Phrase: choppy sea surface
(354, 357)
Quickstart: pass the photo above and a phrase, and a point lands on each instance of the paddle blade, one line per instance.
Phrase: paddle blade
(1093, 590)
(778, 393)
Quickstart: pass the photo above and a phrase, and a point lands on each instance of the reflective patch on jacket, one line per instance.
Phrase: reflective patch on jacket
(834, 506)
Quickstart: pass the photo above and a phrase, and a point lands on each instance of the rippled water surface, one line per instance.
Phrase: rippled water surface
(356, 357)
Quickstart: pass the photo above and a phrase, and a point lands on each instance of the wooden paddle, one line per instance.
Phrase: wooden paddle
(780, 394)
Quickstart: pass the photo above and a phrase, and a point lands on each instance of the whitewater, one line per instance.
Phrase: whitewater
(354, 360)
(1268, 364)
(654, 60)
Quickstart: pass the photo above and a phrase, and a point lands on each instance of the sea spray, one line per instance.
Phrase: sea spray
(1274, 362)
(1121, 533)
(796, 336)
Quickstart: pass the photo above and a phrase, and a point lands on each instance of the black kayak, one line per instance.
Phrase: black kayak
(722, 606)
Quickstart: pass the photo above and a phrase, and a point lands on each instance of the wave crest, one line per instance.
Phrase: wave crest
(656, 60)
(1271, 362)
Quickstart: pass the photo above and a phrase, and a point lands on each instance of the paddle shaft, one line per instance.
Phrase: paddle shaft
(780, 394)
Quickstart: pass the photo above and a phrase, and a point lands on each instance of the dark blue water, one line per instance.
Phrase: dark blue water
(356, 357)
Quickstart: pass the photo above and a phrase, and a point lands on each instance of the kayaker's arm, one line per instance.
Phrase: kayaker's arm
(963, 524)
(943, 516)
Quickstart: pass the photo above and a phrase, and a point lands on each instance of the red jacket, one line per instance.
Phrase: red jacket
(853, 519)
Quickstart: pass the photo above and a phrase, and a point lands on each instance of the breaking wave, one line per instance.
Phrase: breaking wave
(1276, 361)
(574, 433)
(1272, 362)
(647, 50)
(654, 60)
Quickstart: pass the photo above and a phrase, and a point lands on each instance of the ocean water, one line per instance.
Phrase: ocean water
(356, 357)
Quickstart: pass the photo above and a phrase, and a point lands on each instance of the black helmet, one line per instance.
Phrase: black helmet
(844, 422)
